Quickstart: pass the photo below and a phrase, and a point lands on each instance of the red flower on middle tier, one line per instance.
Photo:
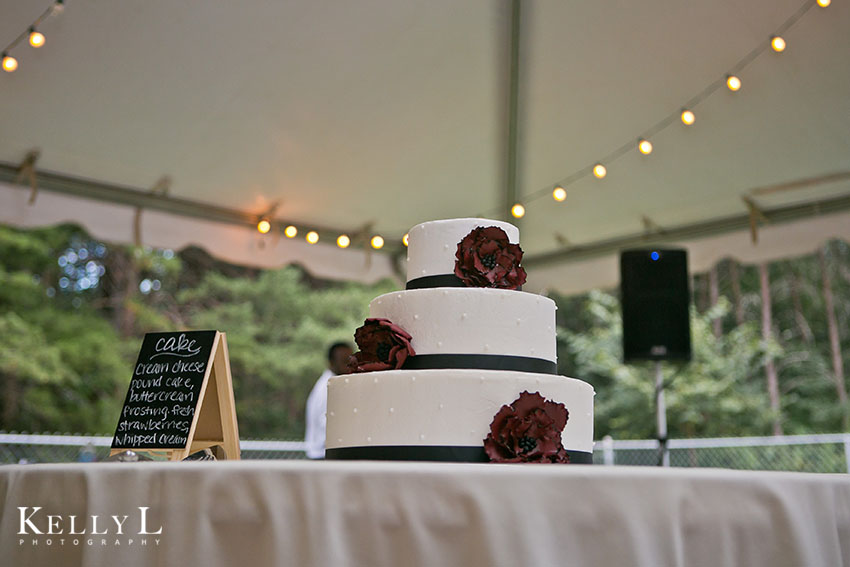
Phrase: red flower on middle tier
(383, 346)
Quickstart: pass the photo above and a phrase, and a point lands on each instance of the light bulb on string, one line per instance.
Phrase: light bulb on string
(57, 8)
(405, 238)
(559, 193)
(312, 237)
(290, 231)
(343, 241)
(688, 117)
(36, 38)
(264, 226)
(733, 82)
(600, 171)
(518, 211)
(9, 63)
(777, 43)
(644, 146)
(824, 3)
(377, 241)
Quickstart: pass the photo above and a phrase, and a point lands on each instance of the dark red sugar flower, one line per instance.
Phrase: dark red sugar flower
(485, 258)
(528, 431)
(383, 345)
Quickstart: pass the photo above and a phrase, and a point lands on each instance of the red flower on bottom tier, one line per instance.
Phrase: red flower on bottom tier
(528, 431)
(383, 346)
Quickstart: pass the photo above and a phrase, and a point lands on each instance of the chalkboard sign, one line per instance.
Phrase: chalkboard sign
(180, 398)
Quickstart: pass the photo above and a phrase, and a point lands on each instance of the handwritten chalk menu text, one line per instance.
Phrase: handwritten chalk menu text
(163, 394)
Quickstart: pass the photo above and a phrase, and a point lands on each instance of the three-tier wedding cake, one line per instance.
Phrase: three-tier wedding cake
(461, 365)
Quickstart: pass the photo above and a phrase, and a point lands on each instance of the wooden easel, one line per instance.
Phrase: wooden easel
(214, 420)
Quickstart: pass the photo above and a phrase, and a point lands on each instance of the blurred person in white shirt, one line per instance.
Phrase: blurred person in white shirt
(317, 401)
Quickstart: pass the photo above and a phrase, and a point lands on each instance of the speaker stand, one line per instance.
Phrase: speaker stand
(661, 417)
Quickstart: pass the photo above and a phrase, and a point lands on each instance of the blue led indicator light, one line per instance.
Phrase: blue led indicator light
(655, 256)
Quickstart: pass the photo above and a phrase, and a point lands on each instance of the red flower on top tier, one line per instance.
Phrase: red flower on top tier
(485, 258)
(528, 431)
(383, 345)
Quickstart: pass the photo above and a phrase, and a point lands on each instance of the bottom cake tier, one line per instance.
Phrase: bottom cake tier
(442, 414)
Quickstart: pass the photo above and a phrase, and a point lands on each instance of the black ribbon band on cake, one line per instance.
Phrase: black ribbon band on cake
(444, 453)
(481, 362)
(441, 280)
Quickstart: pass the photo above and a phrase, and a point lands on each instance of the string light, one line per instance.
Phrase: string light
(9, 63)
(264, 226)
(733, 82)
(36, 38)
(559, 193)
(599, 171)
(31, 34)
(405, 238)
(685, 114)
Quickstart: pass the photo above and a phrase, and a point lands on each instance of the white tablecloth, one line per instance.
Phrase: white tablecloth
(254, 513)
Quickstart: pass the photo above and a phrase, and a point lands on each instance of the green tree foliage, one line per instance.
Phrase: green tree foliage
(62, 366)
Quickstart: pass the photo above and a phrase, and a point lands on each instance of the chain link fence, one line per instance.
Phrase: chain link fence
(57, 448)
(825, 453)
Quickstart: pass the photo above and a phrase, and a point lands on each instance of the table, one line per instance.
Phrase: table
(254, 513)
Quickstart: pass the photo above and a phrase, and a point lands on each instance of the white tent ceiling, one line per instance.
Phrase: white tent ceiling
(396, 112)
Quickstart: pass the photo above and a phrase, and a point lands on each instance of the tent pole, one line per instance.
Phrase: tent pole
(510, 194)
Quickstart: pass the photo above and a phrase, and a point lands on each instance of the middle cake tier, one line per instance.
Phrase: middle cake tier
(502, 327)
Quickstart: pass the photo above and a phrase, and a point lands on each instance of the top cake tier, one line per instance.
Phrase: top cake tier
(432, 247)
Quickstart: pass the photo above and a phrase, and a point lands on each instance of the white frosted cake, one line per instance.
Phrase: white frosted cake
(457, 355)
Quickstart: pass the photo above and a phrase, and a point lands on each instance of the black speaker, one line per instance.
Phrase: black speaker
(655, 299)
